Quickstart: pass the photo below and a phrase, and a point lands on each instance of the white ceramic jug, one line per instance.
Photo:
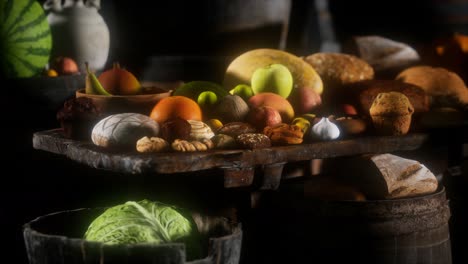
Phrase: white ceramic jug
(79, 31)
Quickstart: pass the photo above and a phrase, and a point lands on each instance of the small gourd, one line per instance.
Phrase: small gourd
(325, 130)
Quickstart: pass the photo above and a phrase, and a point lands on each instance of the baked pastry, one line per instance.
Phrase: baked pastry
(176, 128)
(391, 113)
(367, 91)
(284, 134)
(235, 129)
(445, 87)
(253, 141)
(77, 118)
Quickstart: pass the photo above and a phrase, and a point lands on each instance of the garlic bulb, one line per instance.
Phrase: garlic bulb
(325, 130)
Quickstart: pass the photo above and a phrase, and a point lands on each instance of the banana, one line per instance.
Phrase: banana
(93, 86)
(200, 130)
(301, 122)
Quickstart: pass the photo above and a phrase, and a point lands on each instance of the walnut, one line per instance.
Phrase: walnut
(223, 141)
(208, 143)
(191, 146)
(284, 134)
(153, 144)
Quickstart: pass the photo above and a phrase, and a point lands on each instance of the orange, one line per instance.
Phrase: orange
(176, 106)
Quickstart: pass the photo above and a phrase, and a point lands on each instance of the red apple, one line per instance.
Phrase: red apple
(349, 109)
(275, 101)
(263, 116)
(65, 66)
(304, 100)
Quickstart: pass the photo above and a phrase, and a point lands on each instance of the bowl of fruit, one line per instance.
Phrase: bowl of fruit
(117, 90)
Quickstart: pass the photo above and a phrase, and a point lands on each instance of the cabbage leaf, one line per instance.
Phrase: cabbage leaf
(141, 222)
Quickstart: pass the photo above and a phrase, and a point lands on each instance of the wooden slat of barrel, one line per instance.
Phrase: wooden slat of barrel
(411, 230)
(55, 239)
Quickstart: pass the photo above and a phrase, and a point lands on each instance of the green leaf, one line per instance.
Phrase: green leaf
(145, 222)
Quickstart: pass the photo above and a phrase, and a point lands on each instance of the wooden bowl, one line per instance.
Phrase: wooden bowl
(114, 104)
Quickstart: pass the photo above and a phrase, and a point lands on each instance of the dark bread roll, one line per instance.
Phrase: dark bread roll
(253, 141)
(77, 117)
(367, 91)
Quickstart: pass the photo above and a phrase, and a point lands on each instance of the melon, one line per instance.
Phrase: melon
(25, 38)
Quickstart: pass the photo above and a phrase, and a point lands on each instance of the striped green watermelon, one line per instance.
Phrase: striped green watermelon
(25, 38)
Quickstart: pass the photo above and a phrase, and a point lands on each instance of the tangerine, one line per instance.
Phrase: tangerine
(176, 106)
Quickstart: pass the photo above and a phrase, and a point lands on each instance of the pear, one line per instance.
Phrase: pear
(93, 86)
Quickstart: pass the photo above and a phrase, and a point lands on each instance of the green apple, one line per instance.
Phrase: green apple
(207, 99)
(274, 78)
(242, 90)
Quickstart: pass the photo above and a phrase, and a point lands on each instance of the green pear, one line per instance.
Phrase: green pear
(274, 78)
(242, 90)
(207, 99)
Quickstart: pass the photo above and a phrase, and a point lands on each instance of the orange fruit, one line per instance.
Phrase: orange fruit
(176, 106)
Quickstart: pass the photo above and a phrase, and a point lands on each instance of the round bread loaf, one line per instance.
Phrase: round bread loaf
(445, 87)
(123, 130)
(338, 68)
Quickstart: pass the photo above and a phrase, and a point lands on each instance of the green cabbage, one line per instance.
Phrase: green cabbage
(144, 222)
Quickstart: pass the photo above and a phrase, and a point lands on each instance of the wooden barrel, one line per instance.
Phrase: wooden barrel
(410, 230)
(57, 239)
(456, 181)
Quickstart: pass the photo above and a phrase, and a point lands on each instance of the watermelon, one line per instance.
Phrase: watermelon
(25, 38)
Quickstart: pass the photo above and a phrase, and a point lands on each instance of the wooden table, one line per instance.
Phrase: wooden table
(238, 166)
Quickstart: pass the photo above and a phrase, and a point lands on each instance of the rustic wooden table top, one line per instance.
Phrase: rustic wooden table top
(238, 165)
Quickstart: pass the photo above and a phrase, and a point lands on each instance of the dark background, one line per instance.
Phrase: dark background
(36, 183)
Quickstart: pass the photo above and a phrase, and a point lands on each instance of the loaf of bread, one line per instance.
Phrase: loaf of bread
(123, 130)
(336, 71)
(446, 88)
(367, 91)
(391, 113)
(383, 54)
(339, 68)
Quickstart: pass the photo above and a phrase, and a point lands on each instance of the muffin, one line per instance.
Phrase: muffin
(391, 114)
(77, 118)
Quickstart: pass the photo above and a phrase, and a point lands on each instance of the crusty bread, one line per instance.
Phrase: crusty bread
(382, 53)
(445, 87)
(367, 91)
(340, 69)
(336, 71)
